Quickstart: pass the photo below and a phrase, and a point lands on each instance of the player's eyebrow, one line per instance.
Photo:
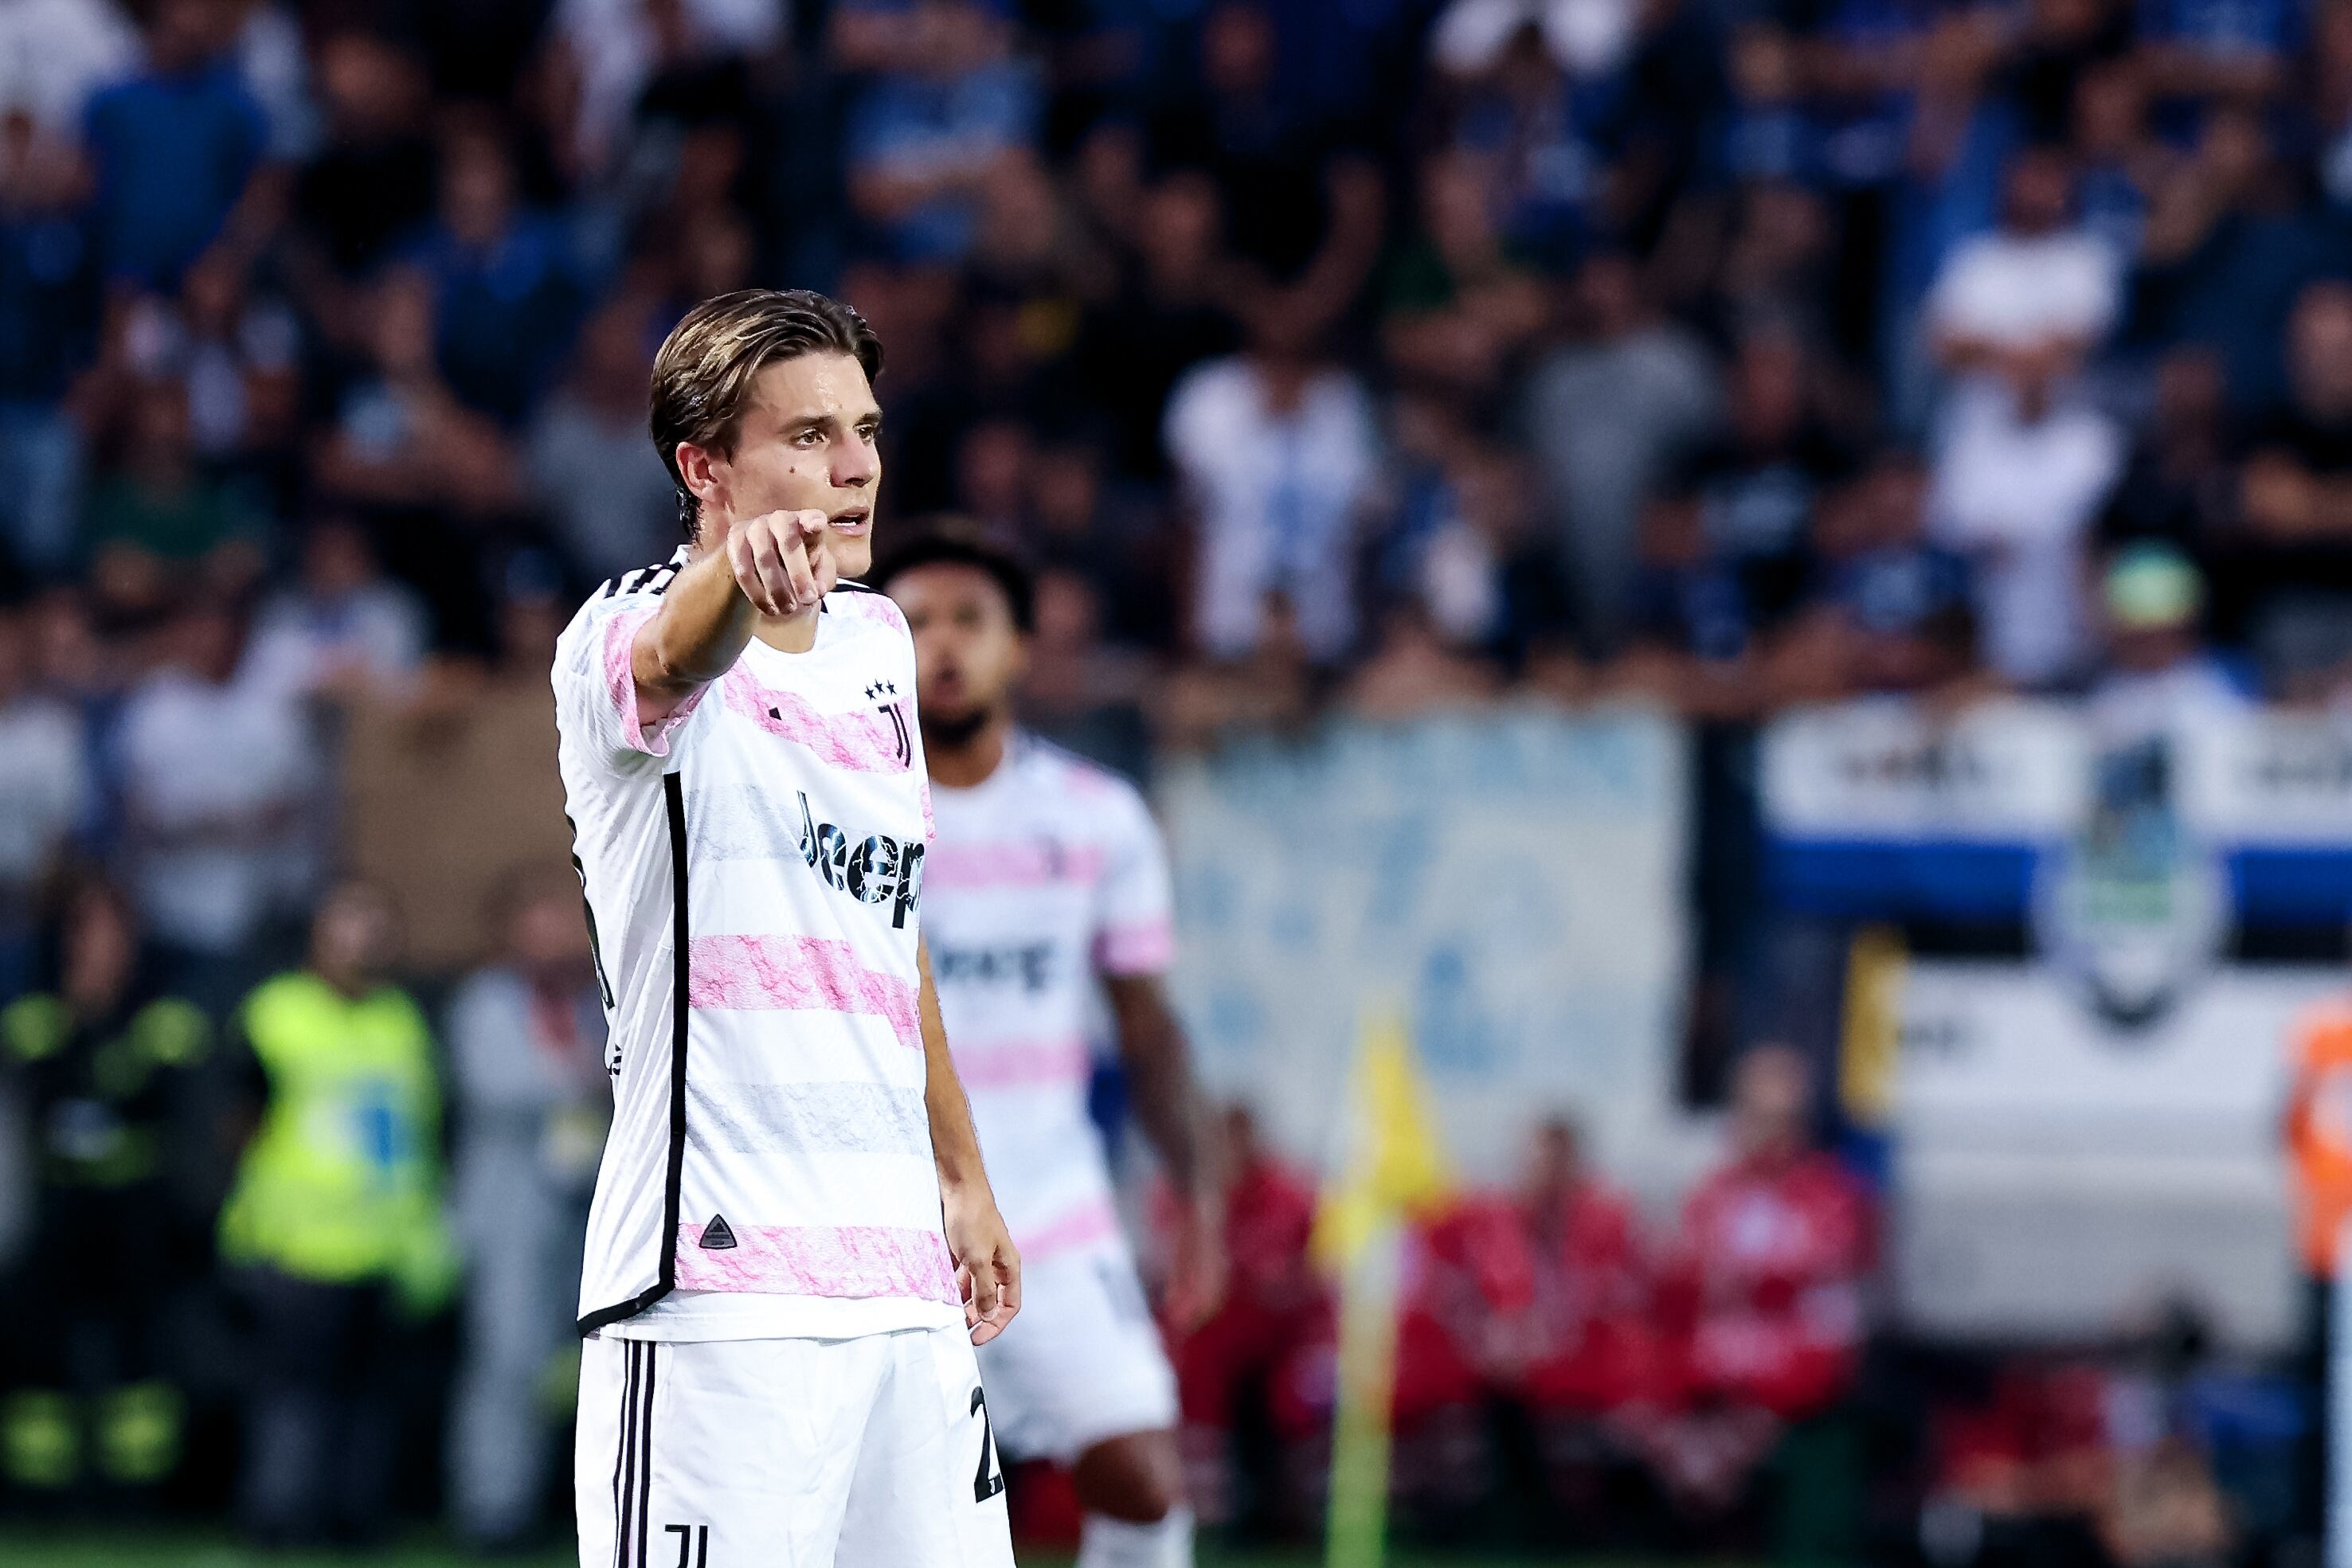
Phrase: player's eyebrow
(819, 418)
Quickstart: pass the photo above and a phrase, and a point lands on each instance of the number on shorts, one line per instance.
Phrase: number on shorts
(698, 1536)
(990, 1479)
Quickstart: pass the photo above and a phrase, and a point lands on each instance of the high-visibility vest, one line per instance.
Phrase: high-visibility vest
(2319, 1131)
(342, 1182)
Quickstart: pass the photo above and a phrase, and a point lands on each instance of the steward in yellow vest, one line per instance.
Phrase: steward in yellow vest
(341, 1183)
(335, 1224)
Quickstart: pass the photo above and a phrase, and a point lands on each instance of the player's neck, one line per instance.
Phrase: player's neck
(968, 762)
(788, 633)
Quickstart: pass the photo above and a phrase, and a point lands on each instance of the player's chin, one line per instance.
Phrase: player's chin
(853, 549)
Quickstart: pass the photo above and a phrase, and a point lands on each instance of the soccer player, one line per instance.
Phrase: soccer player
(1047, 888)
(792, 1247)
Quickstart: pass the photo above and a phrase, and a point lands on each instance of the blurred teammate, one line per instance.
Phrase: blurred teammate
(1048, 887)
(792, 1247)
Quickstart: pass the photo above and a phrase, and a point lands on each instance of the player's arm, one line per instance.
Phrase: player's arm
(777, 565)
(988, 1269)
(1160, 1076)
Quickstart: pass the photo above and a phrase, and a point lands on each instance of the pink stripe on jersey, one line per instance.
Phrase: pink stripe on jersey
(1092, 1221)
(796, 974)
(1023, 1064)
(1145, 948)
(621, 681)
(1015, 862)
(862, 741)
(867, 607)
(821, 1260)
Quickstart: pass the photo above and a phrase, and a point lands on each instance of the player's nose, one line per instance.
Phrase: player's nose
(856, 465)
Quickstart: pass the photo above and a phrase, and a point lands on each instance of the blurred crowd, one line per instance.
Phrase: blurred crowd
(1366, 355)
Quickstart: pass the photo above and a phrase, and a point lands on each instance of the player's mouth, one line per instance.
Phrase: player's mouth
(853, 522)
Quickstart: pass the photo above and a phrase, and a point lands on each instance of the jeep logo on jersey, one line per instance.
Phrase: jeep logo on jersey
(1029, 964)
(878, 869)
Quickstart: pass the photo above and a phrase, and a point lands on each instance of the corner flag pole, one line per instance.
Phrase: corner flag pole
(1390, 1166)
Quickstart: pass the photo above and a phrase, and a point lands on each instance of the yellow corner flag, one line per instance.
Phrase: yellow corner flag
(1390, 1166)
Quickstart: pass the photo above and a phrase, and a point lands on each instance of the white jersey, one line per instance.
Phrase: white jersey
(1046, 876)
(752, 869)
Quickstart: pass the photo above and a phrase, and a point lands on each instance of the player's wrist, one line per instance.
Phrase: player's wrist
(963, 1177)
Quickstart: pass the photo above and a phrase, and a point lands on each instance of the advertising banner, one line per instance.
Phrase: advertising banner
(2083, 1133)
(1512, 881)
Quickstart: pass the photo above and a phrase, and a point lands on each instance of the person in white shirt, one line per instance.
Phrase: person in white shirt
(1048, 906)
(221, 786)
(2017, 486)
(1278, 457)
(2030, 300)
(342, 627)
(2023, 462)
(793, 1248)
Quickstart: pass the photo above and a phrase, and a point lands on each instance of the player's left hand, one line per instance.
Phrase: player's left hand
(1196, 1267)
(988, 1267)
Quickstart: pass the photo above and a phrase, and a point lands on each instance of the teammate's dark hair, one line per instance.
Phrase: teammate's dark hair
(704, 371)
(953, 545)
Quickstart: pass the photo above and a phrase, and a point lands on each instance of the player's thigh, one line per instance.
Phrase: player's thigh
(1083, 1363)
(930, 1489)
(717, 1453)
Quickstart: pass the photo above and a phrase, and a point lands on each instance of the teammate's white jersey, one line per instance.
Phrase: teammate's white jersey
(1046, 876)
(753, 869)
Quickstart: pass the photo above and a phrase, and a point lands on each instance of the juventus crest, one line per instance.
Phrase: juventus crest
(884, 696)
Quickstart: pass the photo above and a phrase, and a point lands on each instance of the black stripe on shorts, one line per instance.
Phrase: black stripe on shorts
(624, 1474)
(645, 1450)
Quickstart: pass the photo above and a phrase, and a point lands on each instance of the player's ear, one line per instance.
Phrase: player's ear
(706, 474)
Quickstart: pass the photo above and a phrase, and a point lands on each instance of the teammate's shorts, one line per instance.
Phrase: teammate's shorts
(1083, 1362)
(874, 1452)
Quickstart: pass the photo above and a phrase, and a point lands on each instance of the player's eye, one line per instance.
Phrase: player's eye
(810, 437)
(871, 430)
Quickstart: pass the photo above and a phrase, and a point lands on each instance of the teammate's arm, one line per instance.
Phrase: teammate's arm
(1158, 1069)
(776, 565)
(987, 1270)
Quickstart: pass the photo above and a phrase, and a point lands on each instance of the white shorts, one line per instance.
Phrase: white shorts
(1083, 1363)
(874, 1452)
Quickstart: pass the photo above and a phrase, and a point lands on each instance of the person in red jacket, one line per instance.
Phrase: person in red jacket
(1594, 1351)
(1761, 1300)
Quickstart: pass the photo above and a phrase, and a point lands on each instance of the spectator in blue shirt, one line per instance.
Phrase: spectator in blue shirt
(506, 295)
(1693, 629)
(2234, 48)
(177, 147)
(49, 328)
(1552, 136)
(925, 138)
(1769, 133)
(1891, 608)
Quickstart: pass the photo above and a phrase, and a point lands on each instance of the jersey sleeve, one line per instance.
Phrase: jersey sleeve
(595, 691)
(1135, 927)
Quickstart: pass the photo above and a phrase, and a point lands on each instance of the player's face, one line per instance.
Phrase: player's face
(968, 652)
(806, 443)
